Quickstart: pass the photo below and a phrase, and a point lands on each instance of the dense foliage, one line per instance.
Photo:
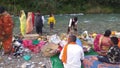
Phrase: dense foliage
(62, 6)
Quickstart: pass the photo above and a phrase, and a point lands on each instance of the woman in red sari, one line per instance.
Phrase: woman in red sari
(33, 17)
(6, 28)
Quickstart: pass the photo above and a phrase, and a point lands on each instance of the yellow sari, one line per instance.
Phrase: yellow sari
(23, 23)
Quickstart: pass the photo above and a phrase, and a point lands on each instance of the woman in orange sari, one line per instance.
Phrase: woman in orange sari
(29, 25)
(6, 28)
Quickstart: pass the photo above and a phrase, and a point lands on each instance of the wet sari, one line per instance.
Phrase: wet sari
(29, 24)
(23, 23)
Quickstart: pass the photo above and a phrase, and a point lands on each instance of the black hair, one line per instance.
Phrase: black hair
(107, 33)
(75, 18)
(38, 11)
(51, 15)
(114, 40)
(72, 38)
(2, 9)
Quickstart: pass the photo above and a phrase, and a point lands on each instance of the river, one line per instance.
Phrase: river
(91, 22)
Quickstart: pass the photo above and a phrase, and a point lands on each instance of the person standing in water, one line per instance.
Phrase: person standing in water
(39, 21)
(29, 24)
(22, 22)
(72, 24)
(51, 21)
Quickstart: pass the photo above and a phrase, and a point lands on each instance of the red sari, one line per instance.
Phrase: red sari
(33, 17)
(6, 27)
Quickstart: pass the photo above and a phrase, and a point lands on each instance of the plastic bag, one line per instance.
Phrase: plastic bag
(54, 39)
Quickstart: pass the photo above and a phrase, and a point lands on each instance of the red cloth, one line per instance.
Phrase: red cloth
(34, 48)
(33, 17)
(60, 48)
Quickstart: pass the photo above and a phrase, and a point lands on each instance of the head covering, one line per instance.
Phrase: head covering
(22, 22)
(2, 9)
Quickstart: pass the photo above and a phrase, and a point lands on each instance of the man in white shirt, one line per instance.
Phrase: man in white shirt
(72, 54)
(73, 24)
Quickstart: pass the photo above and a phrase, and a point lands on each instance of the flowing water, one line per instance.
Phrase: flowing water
(90, 22)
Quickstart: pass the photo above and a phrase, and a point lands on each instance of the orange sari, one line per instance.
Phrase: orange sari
(29, 24)
(6, 27)
(119, 43)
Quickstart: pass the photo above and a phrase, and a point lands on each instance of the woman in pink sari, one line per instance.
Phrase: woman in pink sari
(103, 43)
(29, 26)
(96, 42)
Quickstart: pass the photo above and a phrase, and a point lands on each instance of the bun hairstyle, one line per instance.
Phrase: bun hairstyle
(107, 33)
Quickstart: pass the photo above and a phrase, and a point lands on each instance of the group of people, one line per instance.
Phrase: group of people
(107, 48)
(27, 24)
(36, 20)
(72, 54)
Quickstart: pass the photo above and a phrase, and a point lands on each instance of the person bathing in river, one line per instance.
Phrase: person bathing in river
(72, 24)
(22, 22)
(29, 24)
(51, 21)
(39, 21)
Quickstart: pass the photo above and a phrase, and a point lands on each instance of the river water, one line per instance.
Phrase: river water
(91, 22)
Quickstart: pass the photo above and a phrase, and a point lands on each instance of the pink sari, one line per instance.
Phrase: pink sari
(96, 42)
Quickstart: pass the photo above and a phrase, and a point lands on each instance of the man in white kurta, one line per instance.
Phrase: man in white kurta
(74, 56)
(72, 24)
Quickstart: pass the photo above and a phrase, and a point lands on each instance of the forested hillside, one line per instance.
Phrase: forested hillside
(62, 6)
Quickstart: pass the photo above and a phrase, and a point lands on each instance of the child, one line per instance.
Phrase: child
(51, 21)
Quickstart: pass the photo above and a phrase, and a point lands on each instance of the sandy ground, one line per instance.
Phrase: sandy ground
(36, 61)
